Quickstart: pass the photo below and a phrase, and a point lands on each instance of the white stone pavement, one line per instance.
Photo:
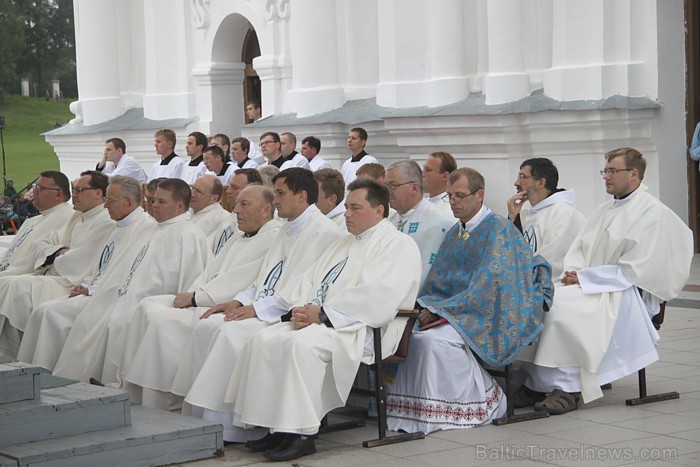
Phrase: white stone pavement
(603, 433)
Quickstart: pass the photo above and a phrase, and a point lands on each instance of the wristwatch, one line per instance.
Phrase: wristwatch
(323, 318)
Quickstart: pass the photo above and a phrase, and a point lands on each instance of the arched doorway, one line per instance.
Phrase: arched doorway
(251, 83)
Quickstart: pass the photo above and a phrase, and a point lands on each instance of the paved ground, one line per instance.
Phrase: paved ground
(603, 433)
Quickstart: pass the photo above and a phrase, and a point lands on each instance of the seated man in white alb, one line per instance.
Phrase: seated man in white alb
(437, 167)
(357, 140)
(632, 254)
(63, 259)
(485, 295)
(115, 161)
(170, 164)
(149, 354)
(216, 164)
(195, 168)
(50, 322)
(288, 146)
(415, 215)
(240, 147)
(331, 195)
(168, 258)
(219, 337)
(310, 147)
(291, 374)
(222, 142)
(206, 210)
(546, 215)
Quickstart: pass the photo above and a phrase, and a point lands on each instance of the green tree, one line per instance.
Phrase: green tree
(11, 39)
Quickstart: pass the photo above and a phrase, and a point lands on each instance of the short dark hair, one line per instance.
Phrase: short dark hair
(226, 141)
(244, 142)
(178, 189)
(361, 132)
(200, 139)
(541, 167)
(447, 162)
(217, 151)
(252, 175)
(152, 186)
(474, 178)
(332, 183)
(97, 180)
(377, 193)
(312, 142)
(60, 180)
(275, 136)
(118, 143)
(298, 180)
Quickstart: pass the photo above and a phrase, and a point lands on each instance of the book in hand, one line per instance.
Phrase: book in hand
(432, 324)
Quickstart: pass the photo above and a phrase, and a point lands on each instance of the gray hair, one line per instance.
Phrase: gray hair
(411, 170)
(130, 187)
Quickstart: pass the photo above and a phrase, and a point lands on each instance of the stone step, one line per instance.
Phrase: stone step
(155, 438)
(19, 382)
(65, 410)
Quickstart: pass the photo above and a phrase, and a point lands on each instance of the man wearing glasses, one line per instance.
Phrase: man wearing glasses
(485, 295)
(632, 254)
(415, 215)
(271, 148)
(546, 215)
(63, 258)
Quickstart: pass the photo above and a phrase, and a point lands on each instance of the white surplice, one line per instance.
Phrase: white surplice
(149, 350)
(442, 203)
(173, 169)
(210, 219)
(427, 226)
(551, 226)
(83, 235)
(169, 257)
(190, 173)
(126, 167)
(287, 379)
(349, 168)
(205, 371)
(636, 242)
(49, 323)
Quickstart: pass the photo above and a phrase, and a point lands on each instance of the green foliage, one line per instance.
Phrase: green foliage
(26, 151)
(11, 40)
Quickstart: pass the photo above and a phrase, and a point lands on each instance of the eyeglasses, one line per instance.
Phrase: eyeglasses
(107, 199)
(78, 190)
(263, 143)
(457, 196)
(394, 186)
(38, 187)
(613, 171)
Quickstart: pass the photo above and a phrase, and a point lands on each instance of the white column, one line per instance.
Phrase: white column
(96, 29)
(219, 92)
(358, 43)
(315, 56)
(506, 80)
(168, 92)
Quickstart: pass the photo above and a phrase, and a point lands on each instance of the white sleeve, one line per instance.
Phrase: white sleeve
(246, 297)
(599, 279)
(269, 309)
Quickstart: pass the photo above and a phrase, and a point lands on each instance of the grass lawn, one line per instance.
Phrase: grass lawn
(26, 151)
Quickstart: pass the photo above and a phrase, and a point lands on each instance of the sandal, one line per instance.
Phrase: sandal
(558, 402)
(526, 397)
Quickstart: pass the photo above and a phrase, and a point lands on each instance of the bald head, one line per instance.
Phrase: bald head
(254, 208)
(206, 190)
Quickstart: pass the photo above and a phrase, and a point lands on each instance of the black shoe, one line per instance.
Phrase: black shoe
(269, 441)
(293, 447)
(96, 382)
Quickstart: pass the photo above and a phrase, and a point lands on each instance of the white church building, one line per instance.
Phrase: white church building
(490, 81)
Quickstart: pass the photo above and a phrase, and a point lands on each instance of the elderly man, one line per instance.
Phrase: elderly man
(216, 164)
(240, 147)
(357, 140)
(159, 329)
(218, 338)
(229, 227)
(50, 322)
(550, 220)
(168, 258)
(360, 282)
(115, 161)
(288, 146)
(632, 254)
(485, 295)
(62, 260)
(170, 164)
(415, 215)
(310, 147)
(205, 206)
(437, 167)
(51, 193)
(195, 168)
(331, 193)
